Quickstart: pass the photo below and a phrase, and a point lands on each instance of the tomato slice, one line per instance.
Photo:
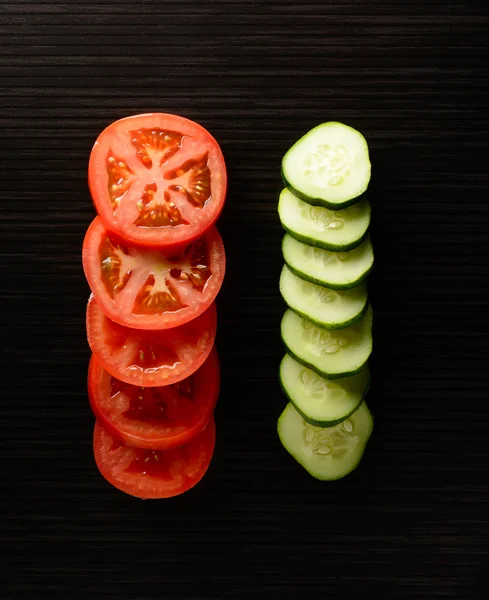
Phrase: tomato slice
(155, 417)
(147, 358)
(152, 474)
(157, 179)
(147, 288)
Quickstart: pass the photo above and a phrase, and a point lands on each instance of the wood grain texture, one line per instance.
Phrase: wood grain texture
(412, 521)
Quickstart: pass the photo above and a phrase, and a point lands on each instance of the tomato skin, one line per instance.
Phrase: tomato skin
(196, 140)
(97, 235)
(116, 347)
(155, 435)
(116, 460)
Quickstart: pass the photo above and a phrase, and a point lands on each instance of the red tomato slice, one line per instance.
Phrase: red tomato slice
(151, 474)
(155, 417)
(147, 288)
(147, 358)
(157, 179)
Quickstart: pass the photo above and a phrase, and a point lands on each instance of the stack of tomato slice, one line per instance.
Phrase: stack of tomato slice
(155, 262)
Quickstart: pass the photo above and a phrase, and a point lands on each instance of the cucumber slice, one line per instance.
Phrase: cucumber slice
(331, 354)
(332, 230)
(322, 402)
(331, 309)
(329, 166)
(326, 453)
(336, 270)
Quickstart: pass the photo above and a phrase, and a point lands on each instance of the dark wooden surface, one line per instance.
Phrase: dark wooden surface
(412, 521)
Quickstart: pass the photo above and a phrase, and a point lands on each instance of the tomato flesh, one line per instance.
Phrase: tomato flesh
(157, 179)
(153, 474)
(147, 358)
(155, 417)
(147, 288)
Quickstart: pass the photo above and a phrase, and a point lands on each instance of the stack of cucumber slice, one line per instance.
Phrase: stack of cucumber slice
(327, 329)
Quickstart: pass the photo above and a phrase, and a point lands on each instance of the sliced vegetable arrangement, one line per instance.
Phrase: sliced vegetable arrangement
(327, 329)
(154, 262)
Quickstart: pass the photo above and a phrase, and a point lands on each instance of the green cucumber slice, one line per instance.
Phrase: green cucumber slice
(336, 270)
(326, 453)
(331, 309)
(338, 231)
(329, 166)
(322, 402)
(331, 354)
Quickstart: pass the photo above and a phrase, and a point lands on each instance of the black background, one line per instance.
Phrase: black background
(412, 521)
